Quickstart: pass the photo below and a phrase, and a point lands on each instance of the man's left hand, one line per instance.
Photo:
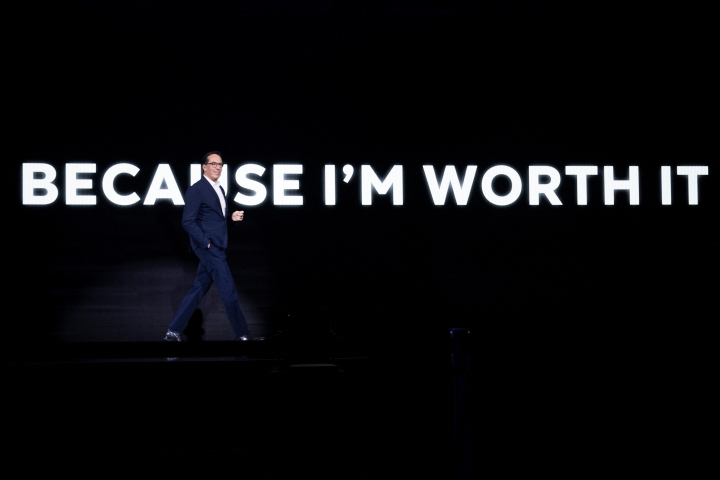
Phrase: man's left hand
(238, 216)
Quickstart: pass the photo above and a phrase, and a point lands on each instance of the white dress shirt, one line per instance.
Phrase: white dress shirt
(216, 186)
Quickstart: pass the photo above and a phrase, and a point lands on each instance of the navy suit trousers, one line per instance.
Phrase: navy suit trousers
(213, 268)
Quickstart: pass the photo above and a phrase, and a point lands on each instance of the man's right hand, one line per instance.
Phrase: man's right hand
(209, 245)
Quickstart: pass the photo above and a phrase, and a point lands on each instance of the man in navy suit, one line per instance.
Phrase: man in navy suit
(205, 220)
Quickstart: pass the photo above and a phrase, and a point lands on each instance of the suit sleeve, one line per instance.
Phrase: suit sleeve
(190, 213)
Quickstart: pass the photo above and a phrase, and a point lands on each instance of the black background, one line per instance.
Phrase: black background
(595, 310)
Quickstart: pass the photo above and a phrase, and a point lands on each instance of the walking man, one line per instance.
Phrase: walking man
(205, 220)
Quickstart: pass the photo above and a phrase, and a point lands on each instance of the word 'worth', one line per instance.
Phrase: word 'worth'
(39, 188)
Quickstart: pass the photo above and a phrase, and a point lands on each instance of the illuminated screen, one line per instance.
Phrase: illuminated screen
(405, 172)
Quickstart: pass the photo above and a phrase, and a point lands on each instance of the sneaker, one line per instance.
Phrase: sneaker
(172, 337)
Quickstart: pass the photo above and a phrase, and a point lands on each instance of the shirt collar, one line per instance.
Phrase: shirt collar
(214, 184)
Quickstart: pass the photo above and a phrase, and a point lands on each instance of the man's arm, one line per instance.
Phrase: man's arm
(190, 213)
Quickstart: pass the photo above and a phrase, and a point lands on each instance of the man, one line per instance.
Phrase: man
(205, 220)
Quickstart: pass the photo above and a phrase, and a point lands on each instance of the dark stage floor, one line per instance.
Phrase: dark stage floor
(386, 411)
(264, 410)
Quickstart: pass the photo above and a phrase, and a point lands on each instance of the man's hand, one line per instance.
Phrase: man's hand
(238, 216)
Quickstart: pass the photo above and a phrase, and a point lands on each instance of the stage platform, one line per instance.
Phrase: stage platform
(322, 408)
(350, 410)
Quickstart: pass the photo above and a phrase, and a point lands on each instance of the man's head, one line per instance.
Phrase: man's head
(212, 165)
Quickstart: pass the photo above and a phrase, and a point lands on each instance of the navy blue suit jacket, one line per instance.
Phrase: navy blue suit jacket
(202, 216)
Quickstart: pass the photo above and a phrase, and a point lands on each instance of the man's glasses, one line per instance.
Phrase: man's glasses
(213, 164)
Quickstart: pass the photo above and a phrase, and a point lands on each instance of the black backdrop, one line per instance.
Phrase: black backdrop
(364, 83)
(593, 312)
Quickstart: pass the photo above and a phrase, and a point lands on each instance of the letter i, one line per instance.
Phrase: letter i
(665, 182)
(329, 184)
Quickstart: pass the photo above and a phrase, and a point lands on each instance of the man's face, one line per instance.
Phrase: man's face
(211, 171)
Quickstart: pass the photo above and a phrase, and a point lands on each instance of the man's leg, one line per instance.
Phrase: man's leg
(199, 288)
(216, 264)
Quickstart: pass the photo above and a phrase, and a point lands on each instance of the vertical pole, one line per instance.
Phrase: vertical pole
(460, 357)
